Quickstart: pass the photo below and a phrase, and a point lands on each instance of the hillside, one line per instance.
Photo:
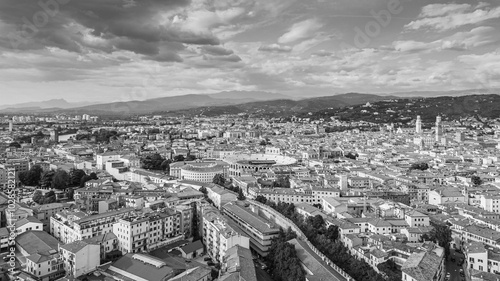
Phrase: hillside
(282, 107)
(405, 110)
(167, 104)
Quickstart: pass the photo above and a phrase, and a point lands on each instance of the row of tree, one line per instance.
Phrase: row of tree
(160, 163)
(57, 179)
(282, 260)
(326, 240)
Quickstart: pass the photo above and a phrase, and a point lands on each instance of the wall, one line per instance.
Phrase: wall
(284, 222)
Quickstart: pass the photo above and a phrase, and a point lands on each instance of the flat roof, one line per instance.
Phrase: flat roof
(251, 218)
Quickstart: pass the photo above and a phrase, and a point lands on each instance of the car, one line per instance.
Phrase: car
(448, 275)
(207, 259)
(210, 263)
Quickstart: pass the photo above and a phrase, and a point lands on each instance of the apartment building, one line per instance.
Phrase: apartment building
(219, 196)
(44, 212)
(416, 219)
(132, 234)
(69, 226)
(219, 236)
(79, 258)
(482, 234)
(42, 260)
(490, 202)
(258, 229)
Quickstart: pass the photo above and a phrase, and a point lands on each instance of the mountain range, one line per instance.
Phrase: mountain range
(229, 102)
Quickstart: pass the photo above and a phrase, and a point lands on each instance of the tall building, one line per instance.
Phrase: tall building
(54, 135)
(418, 125)
(438, 128)
(219, 236)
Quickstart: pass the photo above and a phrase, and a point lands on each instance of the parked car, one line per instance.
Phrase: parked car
(210, 263)
(462, 272)
(207, 259)
(448, 276)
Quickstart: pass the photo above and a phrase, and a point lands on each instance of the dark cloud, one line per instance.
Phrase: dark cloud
(275, 48)
(216, 51)
(323, 53)
(119, 25)
(165, 57)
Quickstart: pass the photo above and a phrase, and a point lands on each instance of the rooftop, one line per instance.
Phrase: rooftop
(251, 218)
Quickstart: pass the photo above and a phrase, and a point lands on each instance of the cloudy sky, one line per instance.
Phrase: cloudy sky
(117, 50)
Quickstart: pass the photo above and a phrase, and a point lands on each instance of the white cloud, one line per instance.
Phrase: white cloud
(275, 48)
(300, 31)
(434, 10)
(452, 16)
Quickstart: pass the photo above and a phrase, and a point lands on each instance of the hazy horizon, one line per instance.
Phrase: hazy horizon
(120, 50)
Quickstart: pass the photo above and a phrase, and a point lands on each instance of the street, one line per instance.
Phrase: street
(452, 267)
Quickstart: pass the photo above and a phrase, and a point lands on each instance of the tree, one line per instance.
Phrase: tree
(282, 181)
(190, 157)
(70, 193)
(352, 155)
(153, 162)
(332, 232)
(60, 180)
(241, 196)
(15, 144)
(317, 222)
(391, 269)
(419, 166)
(441, 234)
(50, 197)
(165, 165)
(179, 158)
(92, 176)
(261, 199)
(76, 176)
(284, 262)
(476, 180)
(38, 197)
(317, 205)
(219, 179)
(32, 176)
(203, 190)
(214, 273)
(46, 179)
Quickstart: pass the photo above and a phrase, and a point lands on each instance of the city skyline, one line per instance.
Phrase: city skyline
(118, 50)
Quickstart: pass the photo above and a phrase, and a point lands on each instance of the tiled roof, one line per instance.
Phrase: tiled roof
(422, 266)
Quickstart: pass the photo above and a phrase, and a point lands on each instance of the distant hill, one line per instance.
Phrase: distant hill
(405, 110)
(35, 106)
(453, 93)
(167, 104)
(283, 107)
(249, 95)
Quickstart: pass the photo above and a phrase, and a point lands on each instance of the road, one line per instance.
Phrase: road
(452, 267)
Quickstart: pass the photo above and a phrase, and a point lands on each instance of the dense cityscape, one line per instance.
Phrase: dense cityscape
(250, 140)
(239, 198)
